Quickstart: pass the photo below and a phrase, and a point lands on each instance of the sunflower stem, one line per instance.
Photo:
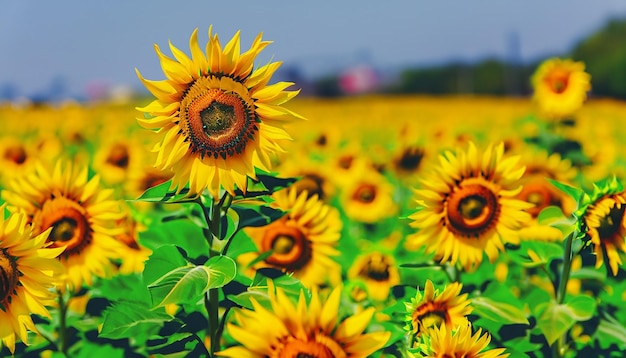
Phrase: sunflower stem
(62, 324)
(562, 291)
(213, 218)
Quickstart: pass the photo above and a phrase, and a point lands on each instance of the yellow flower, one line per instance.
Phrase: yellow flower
(366, 195)
(83, 218)
(378, 271)
(133, 255)
(303, 241)
(302, 330)
(218, 117)
(460, 343)
(468, 206)
(560, 87)
(432, 308)
(28, 270)
(606, 224)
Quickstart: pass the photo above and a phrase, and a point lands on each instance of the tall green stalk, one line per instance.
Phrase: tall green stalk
(562, 290)
(213, 218)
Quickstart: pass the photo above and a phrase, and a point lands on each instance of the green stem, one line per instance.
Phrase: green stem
(213, 218)
(567, 267)
(62, 324)
(562, 291)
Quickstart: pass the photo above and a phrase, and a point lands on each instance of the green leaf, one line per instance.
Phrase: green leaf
(542, 253)
(256, 216)
(498, 311)
(162, 194)
(588, 273)
(182, 233)
(554, 319)
(583, 307)
(188, 284)
(549, 214)
(266, 184)
(573, 192)
(230, 225)
(223, 269)
(164, 259)
(131, 319)
(610, 331)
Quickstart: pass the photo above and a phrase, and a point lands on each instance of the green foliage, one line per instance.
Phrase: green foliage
(556, 319)
(130, 319)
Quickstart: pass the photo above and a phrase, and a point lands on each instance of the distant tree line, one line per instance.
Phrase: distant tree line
(603, 52)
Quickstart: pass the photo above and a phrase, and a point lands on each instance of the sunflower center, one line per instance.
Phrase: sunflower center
(432, 319)
(312, 183)
(472, 210)
(376, 268)
(69, 224)
(16, 154)
(558, 82)
(365, 193)
(217, 122)
(63, 230)
(611, 223)
(320, 346)
(9, 275)
(537, 193)
(428, 315)
(283, 244)
(118, 156)
(410, 159)
(291, 249)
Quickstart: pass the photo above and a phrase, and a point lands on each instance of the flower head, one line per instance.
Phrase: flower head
(82, 217)
(468, 208)
(303, 242)
(605, 223)
(433, 308)
(560, 87)
(315, 329)
(218, 117)
(460, 342)
(28, 270)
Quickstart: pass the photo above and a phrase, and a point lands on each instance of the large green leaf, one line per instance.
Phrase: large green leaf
(257, 215)
(555, 319)
(188, 284)
(164, 259)
(182, 233)
(131, 319)
(498, 311)
(573, 192)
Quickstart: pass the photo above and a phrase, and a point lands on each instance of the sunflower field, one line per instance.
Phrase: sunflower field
(227, 216)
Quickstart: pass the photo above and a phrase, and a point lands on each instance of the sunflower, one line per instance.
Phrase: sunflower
(218, 116)
(432, 308)
(444, 342)
(16, 157)
(365, 194)
(560, 87)
(302, 330)
(83, 217)
(303, 241)
(468, 208)
(379, 272)
(605, 223)
(540, 166)
(28, 270)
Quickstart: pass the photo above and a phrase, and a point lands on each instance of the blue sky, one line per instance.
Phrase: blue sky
(87, 41)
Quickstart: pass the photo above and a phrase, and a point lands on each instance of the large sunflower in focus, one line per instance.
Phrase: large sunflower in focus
(605, 223)
(433, 308)
(460, 342)
(302, 330)
(303, 242)
(560, 87)
(468, 208)
(218, 116)
(82, 218)
(27, 272)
